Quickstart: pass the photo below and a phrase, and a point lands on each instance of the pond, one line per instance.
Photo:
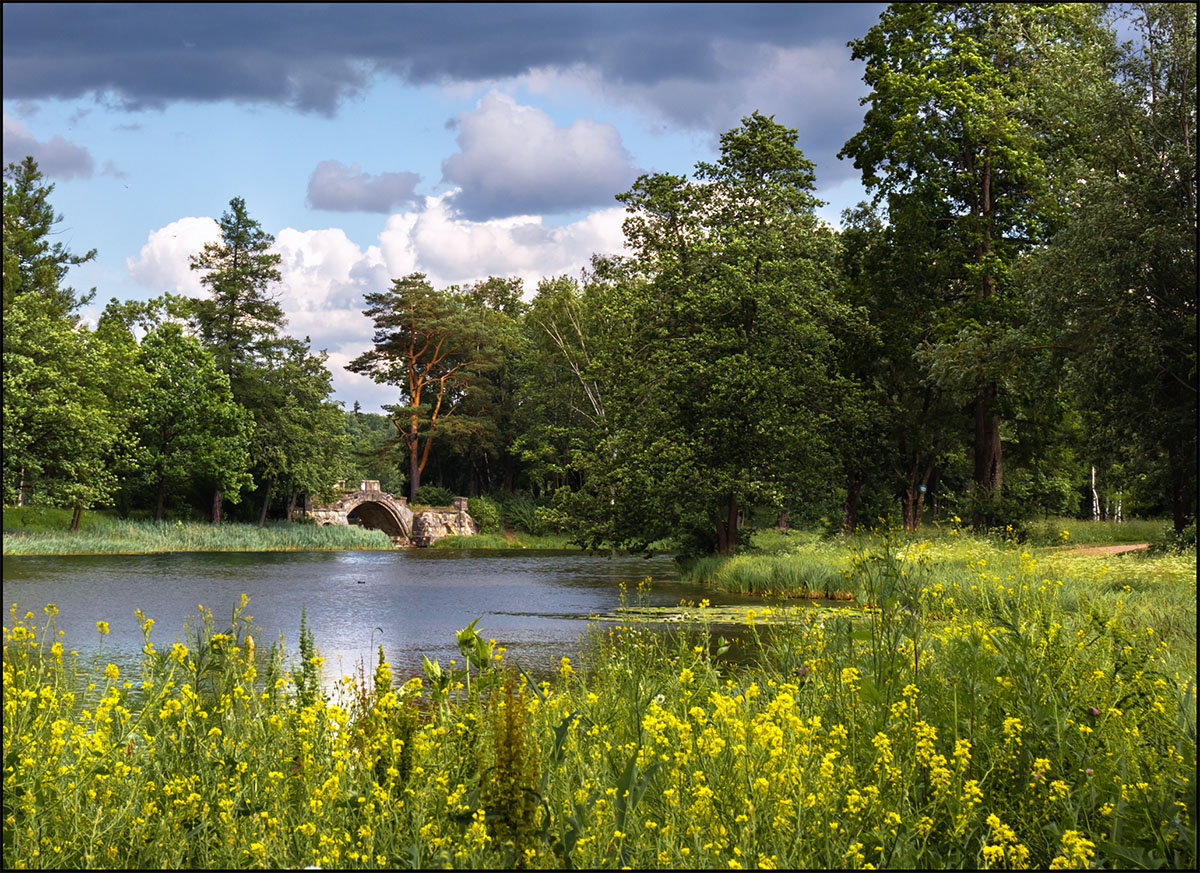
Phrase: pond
(535, 604)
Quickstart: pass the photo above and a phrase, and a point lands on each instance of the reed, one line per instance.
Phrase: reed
(145, 537)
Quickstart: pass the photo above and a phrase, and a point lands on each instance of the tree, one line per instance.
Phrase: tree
(720, 396)
(1120, 275)
(298, 438)
(63, 424)
(190, 426)
(428, 346)
(241, 320)
(31, 263)
(961, 139)
(908, 424)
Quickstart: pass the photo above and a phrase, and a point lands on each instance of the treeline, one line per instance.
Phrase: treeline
(1008, 328)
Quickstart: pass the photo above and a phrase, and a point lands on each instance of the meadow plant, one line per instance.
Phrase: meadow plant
(971, 719)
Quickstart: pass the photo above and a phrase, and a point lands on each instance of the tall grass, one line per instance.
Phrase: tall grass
(506, 541)
(142, 537)
(922, 732)
(1086, 533)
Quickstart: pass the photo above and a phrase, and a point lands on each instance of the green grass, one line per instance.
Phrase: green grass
(102, 535)
(1094, 533)
(502, 541)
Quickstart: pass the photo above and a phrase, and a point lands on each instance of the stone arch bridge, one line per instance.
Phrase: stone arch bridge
(378, 510)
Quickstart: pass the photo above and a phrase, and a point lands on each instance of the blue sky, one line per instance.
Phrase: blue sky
(373, 141)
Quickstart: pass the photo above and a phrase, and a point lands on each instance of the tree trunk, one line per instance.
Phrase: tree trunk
(76, 516)
(1095, 497)
(1179, 491)
(291, 510)
(785, 518)
(854, 484)
(158, 507)
(21, 489)
(216, 507)
(414, 463)
(262, 516)
(922, 488)
(989, 464)
(727, 532)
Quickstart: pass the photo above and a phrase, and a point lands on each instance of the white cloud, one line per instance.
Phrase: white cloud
(324, 274)
(163, 263)
(513, 160)
(57, 158)
(453, 250)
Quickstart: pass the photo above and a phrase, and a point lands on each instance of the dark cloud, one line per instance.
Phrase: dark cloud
(513, 160)
(339, 188)
(695, 66)
(57, 158)
(312, 56)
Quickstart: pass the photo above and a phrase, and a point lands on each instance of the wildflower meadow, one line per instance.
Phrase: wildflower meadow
(965, 720)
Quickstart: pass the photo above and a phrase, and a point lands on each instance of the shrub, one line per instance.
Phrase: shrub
(520, 513)
(486, 513)
(432, 495)
(1182, 542)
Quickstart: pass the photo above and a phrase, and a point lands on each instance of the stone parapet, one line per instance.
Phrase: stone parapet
(379, 510)
(431, 525)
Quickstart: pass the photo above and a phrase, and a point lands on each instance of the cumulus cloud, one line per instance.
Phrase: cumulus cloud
(340, 188)
(57, 158)
(513, 160)
(451, 249)
(163, 263)
(324, 274)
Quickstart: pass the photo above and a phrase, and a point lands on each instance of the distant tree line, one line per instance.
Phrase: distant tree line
(1007, 328)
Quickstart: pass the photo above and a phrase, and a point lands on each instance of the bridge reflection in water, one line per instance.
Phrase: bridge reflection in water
(378, 510)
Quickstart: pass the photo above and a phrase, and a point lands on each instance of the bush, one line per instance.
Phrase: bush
(1182, 542)
(486, 513)
(520, 513)
(432, 495)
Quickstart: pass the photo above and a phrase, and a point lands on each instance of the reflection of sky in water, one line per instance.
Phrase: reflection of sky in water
(536, 605)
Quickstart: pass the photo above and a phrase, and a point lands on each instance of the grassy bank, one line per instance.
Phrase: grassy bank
(919, 734)
(513, 540)
(30, 531)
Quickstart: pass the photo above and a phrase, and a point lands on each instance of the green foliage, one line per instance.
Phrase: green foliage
(712, 384)
(190, 425)
(1119, 278)
(958, 138)
(486, 513)
(32, 264)
(1181, 542)
(241, 318)
(66, 397)
(432, 495)
(432, 347)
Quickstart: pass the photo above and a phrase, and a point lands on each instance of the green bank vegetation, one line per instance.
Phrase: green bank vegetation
(45, 531)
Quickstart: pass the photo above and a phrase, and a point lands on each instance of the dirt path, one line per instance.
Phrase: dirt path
(1104, 550)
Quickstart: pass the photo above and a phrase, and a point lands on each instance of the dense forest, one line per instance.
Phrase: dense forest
(1006, 330)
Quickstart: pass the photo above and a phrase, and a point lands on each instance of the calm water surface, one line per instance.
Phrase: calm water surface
(534, 603)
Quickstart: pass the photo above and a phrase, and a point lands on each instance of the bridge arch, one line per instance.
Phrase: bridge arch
(373, 508)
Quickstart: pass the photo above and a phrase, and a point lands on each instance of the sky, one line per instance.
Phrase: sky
(378, 140)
